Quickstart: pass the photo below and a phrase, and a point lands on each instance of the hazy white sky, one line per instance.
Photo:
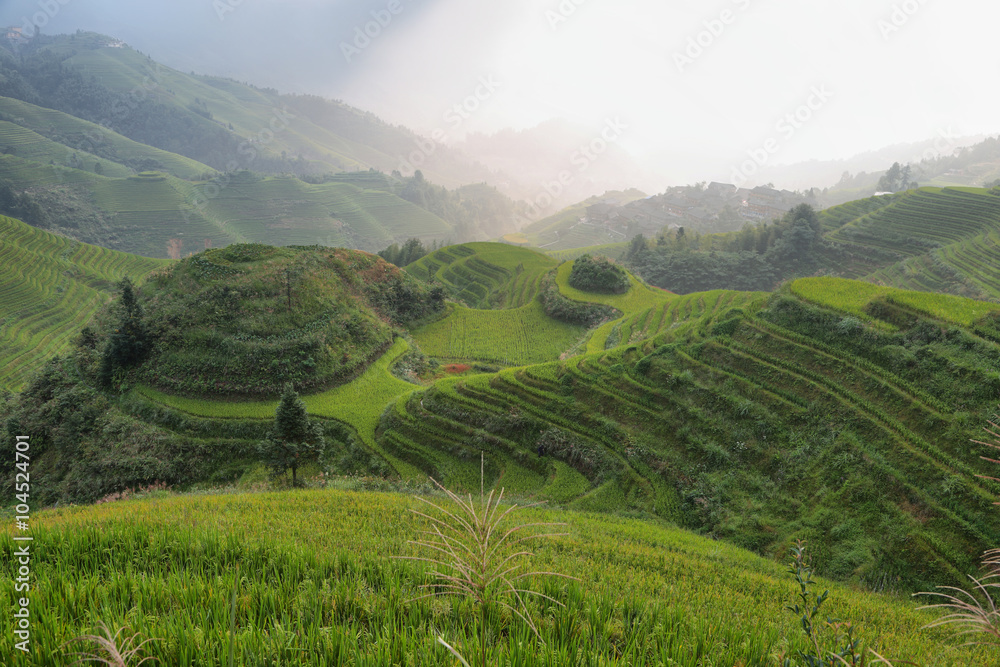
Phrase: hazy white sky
(709, 83)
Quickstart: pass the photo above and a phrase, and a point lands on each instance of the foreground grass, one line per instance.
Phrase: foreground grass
(318, 583)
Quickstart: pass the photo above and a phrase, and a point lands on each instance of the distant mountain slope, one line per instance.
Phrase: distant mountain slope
(149, 213)
(220, 122)
(50, 286)
(565, 231)
(75, 137)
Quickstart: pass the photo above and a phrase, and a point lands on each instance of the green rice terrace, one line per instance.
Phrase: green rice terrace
(930, 239)
(50, 287)
(700, 435)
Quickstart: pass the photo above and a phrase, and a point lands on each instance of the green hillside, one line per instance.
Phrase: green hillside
(154, 214)
(566, 229)
(488, 274)
(833, 411)
(248, 319)
(51, 287)
(749, 417)
(931, 239)
(220, 122)
(45, 135)
(612, 250)
(752, 424)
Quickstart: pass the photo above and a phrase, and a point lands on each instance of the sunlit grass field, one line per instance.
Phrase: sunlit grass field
(521, 336)
(853, 296)
(317, 582)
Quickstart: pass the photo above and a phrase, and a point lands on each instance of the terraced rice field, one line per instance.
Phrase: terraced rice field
(853, 296)
(624, 413)
(26, 144)
(286, 211)
(610, 250)
(639, 298)
(486, 275)
(68, 134)
(50, 287)
(357, 404)
(512, 337)
(675, 315)
(932, 239)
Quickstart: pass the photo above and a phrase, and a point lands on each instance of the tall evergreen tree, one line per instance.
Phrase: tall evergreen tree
(129, 341)
(294, 440)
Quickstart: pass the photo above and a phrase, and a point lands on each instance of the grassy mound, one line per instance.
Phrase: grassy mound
(316, 582)
(244, 320)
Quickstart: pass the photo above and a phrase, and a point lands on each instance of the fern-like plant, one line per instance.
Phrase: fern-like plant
(476, 552)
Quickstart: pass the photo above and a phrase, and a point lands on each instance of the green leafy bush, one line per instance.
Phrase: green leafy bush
(598, 274)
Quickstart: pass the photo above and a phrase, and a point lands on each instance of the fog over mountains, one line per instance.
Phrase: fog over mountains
(701, 89)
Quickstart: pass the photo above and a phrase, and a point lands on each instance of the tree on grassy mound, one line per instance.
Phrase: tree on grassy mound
(294, 440)
(598, 274)
(128, 342)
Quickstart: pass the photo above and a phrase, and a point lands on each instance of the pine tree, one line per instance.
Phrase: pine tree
(294, 440)
(129, 341)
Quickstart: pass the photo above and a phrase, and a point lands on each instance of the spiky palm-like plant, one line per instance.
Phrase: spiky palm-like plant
(113, 655)
(477, 555)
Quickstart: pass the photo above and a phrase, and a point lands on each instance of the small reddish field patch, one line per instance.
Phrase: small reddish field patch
(457, 368)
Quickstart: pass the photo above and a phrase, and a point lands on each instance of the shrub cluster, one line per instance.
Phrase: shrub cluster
(575, 312)
(598, 274)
